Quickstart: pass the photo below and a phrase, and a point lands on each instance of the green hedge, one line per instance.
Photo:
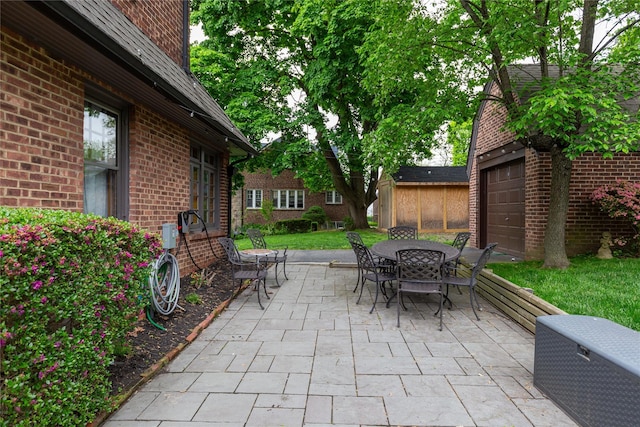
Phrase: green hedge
(294, 226)
(70, 289)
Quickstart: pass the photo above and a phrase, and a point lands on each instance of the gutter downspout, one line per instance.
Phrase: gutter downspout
(186, 63)
(231, 169)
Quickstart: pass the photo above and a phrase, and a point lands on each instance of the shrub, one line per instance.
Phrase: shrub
(316, 214)
(70, 289)
(349, 224)
(294, 225)
(621, 200)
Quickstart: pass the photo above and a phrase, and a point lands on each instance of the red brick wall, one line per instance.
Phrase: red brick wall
(160, 20)
(41, 155)
(284, 181)
(585, 224)
(41, 112)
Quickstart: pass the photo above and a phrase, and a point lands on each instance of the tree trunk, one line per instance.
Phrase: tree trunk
(358, 212)
(555, 254)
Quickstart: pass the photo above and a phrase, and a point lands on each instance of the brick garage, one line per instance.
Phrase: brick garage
(494, 149)
(55, 57)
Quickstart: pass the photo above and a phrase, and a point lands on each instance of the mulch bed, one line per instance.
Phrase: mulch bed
(150, 344)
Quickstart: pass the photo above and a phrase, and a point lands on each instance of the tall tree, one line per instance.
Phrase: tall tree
(294, 68)
(575, 107)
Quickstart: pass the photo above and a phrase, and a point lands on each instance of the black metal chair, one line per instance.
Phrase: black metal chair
(472, 280)
(459, 243)
(372, 271)
(354, 237)
(420, 271)
(402, 232)
(255, 271)
(258, 242)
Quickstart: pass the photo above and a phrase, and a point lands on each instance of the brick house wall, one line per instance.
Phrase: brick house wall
(585, 223)
(161, 20)
(41, 114)
(42, 156)
(285, 181)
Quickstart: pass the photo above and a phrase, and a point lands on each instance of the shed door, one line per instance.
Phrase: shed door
(503, 207)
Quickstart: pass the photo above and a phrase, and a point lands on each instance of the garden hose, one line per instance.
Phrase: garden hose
(164, 283)
(149, 311)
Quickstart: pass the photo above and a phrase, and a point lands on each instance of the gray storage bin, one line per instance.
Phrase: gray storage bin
(590, 367)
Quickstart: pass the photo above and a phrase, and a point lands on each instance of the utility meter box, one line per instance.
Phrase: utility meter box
(169, 235)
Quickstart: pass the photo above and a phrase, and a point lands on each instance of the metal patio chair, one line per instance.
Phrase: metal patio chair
(354, 237)
(459, 243)
(256, 271)
(420, 271)
(372, 271)
(402, 232)
(278, 257)
(472, 280)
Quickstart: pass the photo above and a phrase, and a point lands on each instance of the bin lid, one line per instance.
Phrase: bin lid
(608, 339)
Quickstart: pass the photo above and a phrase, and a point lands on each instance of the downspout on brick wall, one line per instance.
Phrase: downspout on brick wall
(186, 62)
(231, 169)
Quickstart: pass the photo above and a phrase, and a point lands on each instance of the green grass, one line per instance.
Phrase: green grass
(331, 239)
(590, 286)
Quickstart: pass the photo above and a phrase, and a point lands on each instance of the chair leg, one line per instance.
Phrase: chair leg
(258, 292)
(441, 310)
(473, 296)
(399, 296)
(284, 269)
(375, 299)
(357, 281)
(276, 274)
(361, 288)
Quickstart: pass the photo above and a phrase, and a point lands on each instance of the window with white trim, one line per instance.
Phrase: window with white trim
(288, 199)
(254, 199)
(333, 198)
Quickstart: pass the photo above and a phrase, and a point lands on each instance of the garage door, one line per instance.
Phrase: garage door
(503, 217)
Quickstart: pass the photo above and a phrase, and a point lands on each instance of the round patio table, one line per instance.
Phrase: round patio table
(387, 248)
(256, 252)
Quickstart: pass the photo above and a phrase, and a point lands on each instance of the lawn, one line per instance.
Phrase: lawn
(590, 286)
(331, 239)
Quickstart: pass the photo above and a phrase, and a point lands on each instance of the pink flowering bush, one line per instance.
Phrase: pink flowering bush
(71, 286)
(621, 200)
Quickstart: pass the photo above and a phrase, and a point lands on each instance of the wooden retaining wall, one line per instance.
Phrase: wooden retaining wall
(518, 303)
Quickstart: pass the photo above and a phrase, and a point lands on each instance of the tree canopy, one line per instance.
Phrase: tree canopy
(574, 106)
(353, 86)
(296, 69)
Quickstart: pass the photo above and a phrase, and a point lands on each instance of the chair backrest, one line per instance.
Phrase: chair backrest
(364, 257)
(402, 232)
(257, 239)
(461, 240)
(352, 237)
(231, 250)
(482, 260)
(420, 264)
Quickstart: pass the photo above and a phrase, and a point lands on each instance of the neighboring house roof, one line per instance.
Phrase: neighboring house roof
(95, 34)
(431, 174)
(525, 79)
